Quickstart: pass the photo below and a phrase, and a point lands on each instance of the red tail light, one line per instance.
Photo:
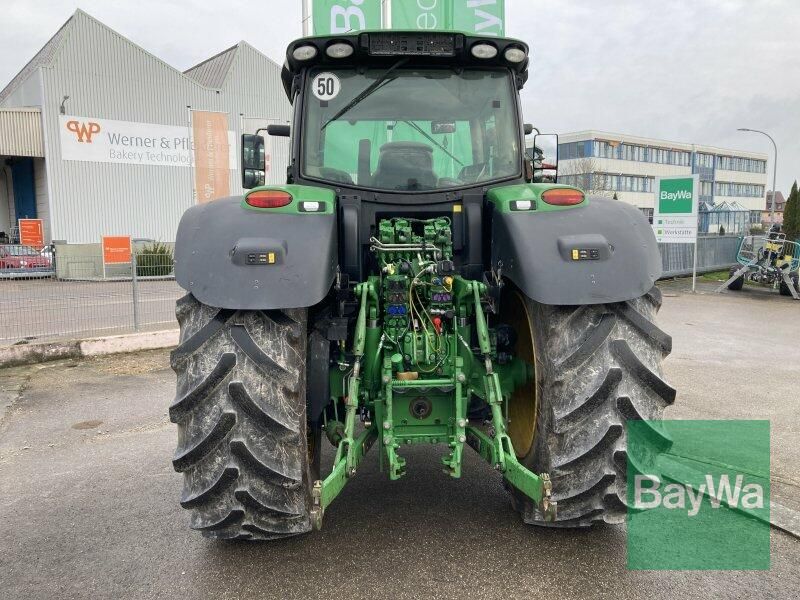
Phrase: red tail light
(563, 197)
(268, 199)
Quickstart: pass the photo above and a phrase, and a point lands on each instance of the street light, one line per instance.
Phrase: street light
(774, 172)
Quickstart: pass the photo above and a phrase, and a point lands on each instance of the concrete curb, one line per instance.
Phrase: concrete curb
(27, 354)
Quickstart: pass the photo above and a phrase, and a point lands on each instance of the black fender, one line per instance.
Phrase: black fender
(223, 253)
(617, 254)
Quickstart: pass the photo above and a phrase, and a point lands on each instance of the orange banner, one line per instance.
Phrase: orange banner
(116, 249)
(212, 173)
(31, 233)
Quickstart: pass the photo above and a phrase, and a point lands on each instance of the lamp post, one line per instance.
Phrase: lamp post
(774, 172)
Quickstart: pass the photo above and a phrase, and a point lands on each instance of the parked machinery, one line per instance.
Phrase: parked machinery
(769, 260)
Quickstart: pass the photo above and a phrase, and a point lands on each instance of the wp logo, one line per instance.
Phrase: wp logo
(83, 131)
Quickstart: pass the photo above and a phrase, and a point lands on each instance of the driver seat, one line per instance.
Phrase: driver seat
(400, 164)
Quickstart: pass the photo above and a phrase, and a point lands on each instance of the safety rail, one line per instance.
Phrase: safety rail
(48, 294)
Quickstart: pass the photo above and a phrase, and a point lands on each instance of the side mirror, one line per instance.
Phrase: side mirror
(544, 155)
(253, 161)
(279, 130)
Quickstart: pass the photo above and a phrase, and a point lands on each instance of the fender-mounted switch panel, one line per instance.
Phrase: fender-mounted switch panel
(584, 246)
(261, 258)
(585, 254)
(259, 252)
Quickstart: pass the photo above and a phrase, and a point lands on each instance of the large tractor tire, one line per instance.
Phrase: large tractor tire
(597, 367)
(738, 283)
(241, 414)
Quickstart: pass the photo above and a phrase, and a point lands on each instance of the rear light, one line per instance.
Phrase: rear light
(563, 197)
(515, 55)
(339, 50)
(268, 199)
(523, 205)
(312, 206)
(304, 52)
(483, 51)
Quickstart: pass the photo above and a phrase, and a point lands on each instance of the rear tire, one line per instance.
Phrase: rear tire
(597, 367)
(240, 408)
(738, 283)
(784, 289)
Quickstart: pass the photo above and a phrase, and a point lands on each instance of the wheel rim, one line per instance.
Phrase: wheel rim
(524, 402)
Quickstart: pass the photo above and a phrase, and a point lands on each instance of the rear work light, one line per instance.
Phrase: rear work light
(563, 197)
(339, 50)
(268, 199)
(484, 51)
(304, 52)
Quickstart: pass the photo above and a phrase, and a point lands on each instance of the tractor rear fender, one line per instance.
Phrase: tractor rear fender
(595, 252)
(231, 255)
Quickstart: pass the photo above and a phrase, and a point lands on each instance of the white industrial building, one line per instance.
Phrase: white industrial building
(627, 166)
(95, 132)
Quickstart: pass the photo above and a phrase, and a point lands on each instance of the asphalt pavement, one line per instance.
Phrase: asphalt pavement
(89, 499)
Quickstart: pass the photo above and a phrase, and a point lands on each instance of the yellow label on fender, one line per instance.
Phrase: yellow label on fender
(271, 258)
(575, 254)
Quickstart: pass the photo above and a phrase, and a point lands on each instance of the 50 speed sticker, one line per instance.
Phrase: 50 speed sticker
(326, 86)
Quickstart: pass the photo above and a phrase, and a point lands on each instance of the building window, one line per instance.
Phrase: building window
(738, 190)
(705, 160)
(738, 163)
(574, 150)
(632, 152)
(617, 183)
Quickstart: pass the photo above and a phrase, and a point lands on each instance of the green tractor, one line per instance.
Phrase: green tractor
(412, 283)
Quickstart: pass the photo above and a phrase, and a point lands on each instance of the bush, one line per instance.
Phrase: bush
(154, 260)
(722, 230)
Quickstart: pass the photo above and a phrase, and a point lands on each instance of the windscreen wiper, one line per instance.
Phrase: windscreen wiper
(367, 92)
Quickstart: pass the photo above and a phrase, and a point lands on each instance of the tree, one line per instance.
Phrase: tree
(791, 214)
(585, 174)
(615, 196)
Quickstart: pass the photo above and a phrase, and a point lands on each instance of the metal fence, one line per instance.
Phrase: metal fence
(714, 253)
(74, 295)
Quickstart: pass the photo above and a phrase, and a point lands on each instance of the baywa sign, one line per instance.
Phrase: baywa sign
(91, 139)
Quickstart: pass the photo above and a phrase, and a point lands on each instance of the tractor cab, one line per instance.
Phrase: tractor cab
(404, 124)
(402, 117)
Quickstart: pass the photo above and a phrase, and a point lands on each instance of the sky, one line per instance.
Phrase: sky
(685, 70)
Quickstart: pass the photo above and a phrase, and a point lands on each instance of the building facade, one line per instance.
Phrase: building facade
(96, 132)
(780, 206)
(626, 165)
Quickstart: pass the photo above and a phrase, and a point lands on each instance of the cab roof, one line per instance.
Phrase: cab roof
(422, 48)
